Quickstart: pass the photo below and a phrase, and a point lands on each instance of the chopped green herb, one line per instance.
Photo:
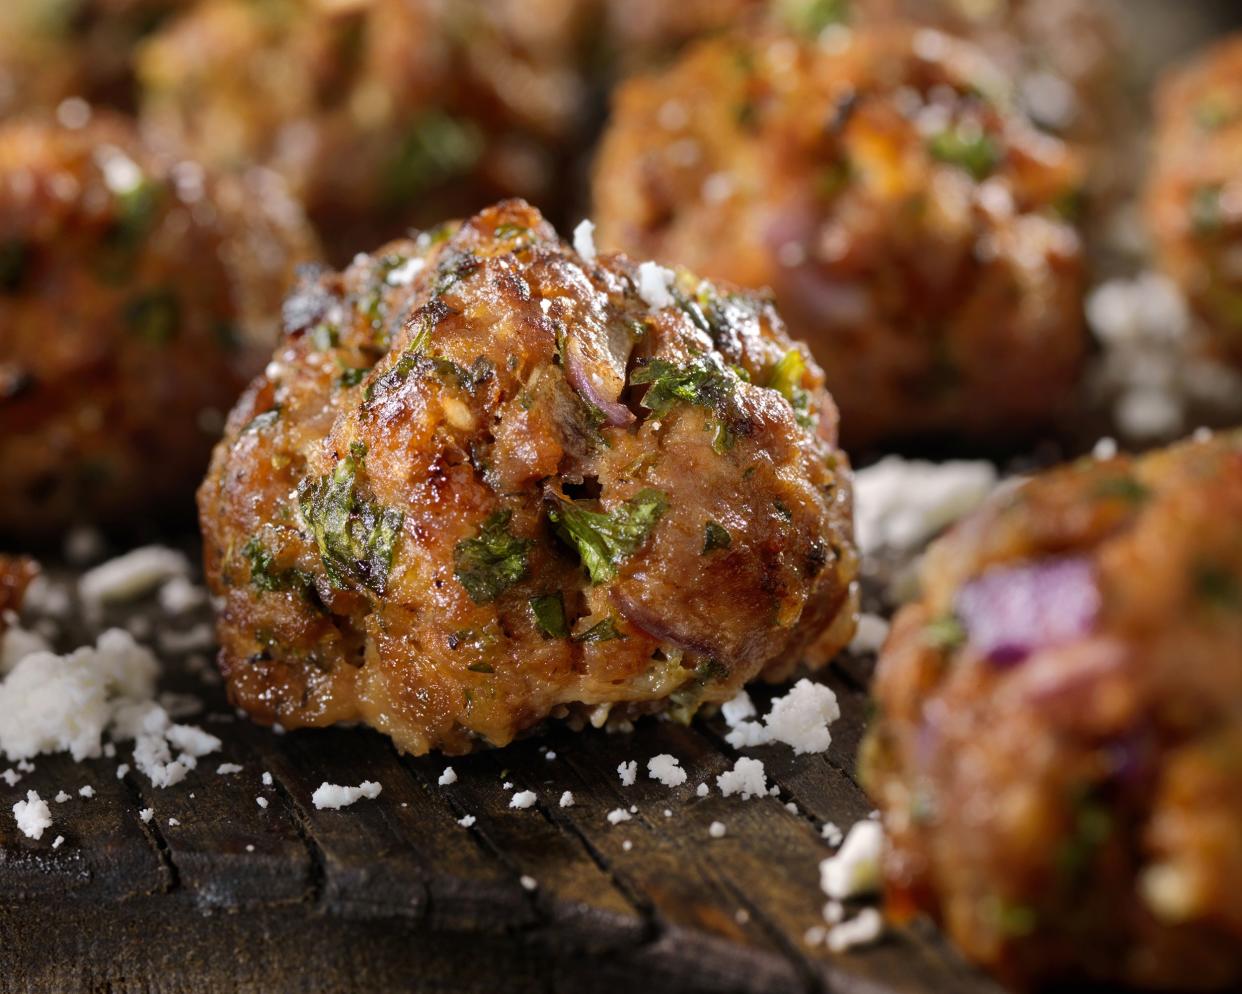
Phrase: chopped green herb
(1125, 488)
(700, 382)
(811, 17)
(324, 337)
(265, 577)
(351, 376)
(455, 265)
(481, 668)
(603, 539)
(155, 316)
(786, 379)
(945, 634)
(412, 357)
(549, 612)
(356, 537)
(437, 148)
(493, 561)
(603, 631)
(715, 537)
(978, 154)
(480, 371)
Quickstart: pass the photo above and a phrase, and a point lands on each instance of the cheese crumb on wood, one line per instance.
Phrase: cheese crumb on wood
(864, 928)
(628, 772)
(567, 799)
(618, 815)
(88, 792)
(666, 769)
(855, 869)
(899, 504)
(32, 815)
(262, 802)
(146, 814)
(131, 575)
(528, 882)
(716, 830)
(799, 719)
(224, 769)
(747, 778)
(465, 821)
(333, 796)
(523, 799)
(447, 777)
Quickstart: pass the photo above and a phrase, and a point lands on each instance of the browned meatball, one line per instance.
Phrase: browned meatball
(384, 113)
(904, 217)
(136, 300)
(15, 576)
(1060, 726)
(487, 480)
(53, 49)
(1194, 193)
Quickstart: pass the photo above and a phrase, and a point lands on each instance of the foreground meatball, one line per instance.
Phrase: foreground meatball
(135, 303)
(15, 576)
(1194, 194)
(487, 480)
(906, 220)
(1060, 725)
(386, 113)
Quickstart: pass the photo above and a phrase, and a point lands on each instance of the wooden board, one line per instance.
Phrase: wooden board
(217, 893)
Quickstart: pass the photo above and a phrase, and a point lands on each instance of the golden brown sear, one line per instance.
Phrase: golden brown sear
(1057, 753)
(16, 572)
(487, 479)
(136, 300)
(1194, 192)
(906, 219)
(386, 113)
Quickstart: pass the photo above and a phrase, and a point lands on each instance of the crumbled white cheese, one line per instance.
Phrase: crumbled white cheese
(507, 785)
(121, 770)
(266, 778)
(131, 575)
(146, 814)
(747, 778)
(173, 823)
(192, 740)
(523, 799)
(870, 635)
(654, 282)
(465, 821)
(832, 834)
(549, 755)
(224, 769)
(899, 504)
(800, 719)
(33, 815)
(702, 790)
(627, 845)
(618, 815)
(628, 772)
(567, 799)
(262, 802)
(716, 830)
(834, 911)
(584, 240)
(330, 795)
(16, 643)
(179, 595)
(10, 777)
(791, 807)
(855, 869)
(62, 796)
(447, 777)
(528, 882)
(58, 842)
(403, 275)
(864, 928)
(738, 709)
(87, 791)
(666, 769)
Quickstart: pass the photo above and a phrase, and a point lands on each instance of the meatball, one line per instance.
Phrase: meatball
(488, 479)
(134, 303)
(50, 50)
(1060, 721)
(386, 113)
(1194, 193)
(15, 576)
(908, 222)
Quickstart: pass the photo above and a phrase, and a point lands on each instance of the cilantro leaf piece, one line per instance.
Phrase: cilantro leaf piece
(715, 537)
(977, 154)
(604, 538)
(701, 382)
(603, 631)
(493, 561)
(356, 536)
(549, 612)
(786, 379)
(266, 577)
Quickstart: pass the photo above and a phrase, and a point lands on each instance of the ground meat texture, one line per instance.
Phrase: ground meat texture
(1060, 721)
(483, 482)
(16, 572)
(135, 303)
(1194, 192)
(50, 50)
(906, 221)
(387, 113)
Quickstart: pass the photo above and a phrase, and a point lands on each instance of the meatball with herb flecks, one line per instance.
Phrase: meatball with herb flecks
(487, 480)
(1194, 192)
(907, 220)
(1058, 746)
(136, 297)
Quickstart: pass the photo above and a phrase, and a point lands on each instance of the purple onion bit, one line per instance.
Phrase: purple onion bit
(1012, 611)
(595, 363)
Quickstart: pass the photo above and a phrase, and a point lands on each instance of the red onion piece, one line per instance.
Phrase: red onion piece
(595, 361)
(1012, 611)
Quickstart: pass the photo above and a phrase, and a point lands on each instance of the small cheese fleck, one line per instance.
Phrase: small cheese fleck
(262, 802)
(523, 799)
(88, 792)
(146, 814)
(832, 833)
(226, 768)
(628, 772)
(618, 815)
(33, 815)
(870, 635)
(702, 790)
(567, 799)
(654, 282)
(864, 928)
(330, 795)
(62, 796)
(584, 240)
(627, 845)
(122, 771)
(855, 869)
(447, 777)
(58, 842)
(173, 823)
(131, 575)
(404, 274)
(266, 778)
(666, 769)
(10, 777)
(528, 882)
(716, 830)
(747, 778)
(465, 821)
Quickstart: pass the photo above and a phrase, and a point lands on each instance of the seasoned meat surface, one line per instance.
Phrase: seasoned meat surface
(1194, 192)
(137, 298)
(16, 572)
(906, 219)
(1060, 724)
(487, 479)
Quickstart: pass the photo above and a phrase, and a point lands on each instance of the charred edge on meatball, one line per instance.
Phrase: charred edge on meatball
(484, 481)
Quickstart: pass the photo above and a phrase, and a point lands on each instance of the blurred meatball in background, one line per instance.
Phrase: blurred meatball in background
(1194, 194)
(137, 296)
(1059, 722)
(488, 479)
(911, 223)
